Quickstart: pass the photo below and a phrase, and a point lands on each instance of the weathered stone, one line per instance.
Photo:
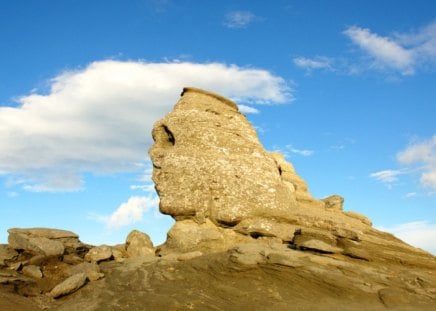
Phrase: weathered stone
(189, 256)
(357, 253)
(119, 252)
(15, 265)
(32, 271)
(346, 233)
(44, 233)
(294, 182)
(248, 254)
(138, 244)
(7, 254)
(69, 285)
(72, 259)
(84, 267)
(99, 253)
(335, 202)
(187, 236)
(360, 217)
(35, 245)
(92, 270)
(305, 234)
(319, 246)
(266, 227)
(288, 258)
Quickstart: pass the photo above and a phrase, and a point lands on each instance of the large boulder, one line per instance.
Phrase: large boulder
(139, 244)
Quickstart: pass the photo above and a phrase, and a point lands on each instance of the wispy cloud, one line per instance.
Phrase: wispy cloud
(418, 158)
(401, 52)
(239, 19)
(98, 119)
(384, 51)
(421, 234)
(316, 63)
(387, 176)
(395, 54)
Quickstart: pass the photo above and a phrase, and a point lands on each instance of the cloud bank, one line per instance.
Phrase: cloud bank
(98, 119)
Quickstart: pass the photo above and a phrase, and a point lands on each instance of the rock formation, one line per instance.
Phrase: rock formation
(248, 236)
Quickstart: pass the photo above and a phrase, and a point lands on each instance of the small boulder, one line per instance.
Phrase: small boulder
(138, 244)
(334, 202)
(99, 253)
(32, 271)
(190, 255)
(69, 285)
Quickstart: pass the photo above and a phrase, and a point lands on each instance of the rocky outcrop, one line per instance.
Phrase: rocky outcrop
(48, 263)
(248, 236)
(223, 188)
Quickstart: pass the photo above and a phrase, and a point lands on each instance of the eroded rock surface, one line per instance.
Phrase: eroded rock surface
(248, 236)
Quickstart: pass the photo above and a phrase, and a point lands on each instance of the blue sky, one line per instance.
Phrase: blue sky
(345, 89)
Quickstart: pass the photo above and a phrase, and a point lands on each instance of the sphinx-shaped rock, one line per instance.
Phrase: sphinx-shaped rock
(209, 163)
(223, 188)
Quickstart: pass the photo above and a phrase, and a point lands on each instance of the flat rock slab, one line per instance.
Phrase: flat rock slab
(35, 245)
(44, 232)
(68, 286)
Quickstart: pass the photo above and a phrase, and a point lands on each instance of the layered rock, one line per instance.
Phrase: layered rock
(223, 188)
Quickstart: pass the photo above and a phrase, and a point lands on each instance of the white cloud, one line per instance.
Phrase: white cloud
(384, 51)
(131, 211)
(247, 109)
(387, 176)
(402, 52)
(98, 120)
(239, 19)
(423, 154)
(421, 234)
(309, 64)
